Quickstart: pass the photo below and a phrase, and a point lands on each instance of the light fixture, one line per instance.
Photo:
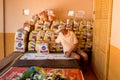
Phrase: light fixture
(70, 13)
(26, 11)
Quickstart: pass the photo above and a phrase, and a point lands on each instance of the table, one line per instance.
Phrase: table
(70, 65)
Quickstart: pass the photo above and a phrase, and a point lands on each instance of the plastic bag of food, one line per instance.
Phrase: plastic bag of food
(21, 35)
(51, 15)
(69, 24)
(53, 36)
(33, 35)
(31, 46)
(42, 48)
(39, 25)
(40, 35)
(43, 15)
(48, 35)
(76, 24)
(35, 18)
(46, 25)
(55, 24)
(20, 46)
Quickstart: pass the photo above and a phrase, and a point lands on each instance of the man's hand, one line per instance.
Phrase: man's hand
(68, 54)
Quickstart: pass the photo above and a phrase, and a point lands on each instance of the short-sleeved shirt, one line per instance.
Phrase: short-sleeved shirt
(67, 41)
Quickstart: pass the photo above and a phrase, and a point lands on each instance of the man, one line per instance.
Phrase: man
(68, 40)
(70, 43)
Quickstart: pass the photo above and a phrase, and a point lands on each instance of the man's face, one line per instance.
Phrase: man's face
(62, 31)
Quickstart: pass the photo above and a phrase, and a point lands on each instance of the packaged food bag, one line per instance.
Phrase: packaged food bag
(76, 24)
(46, 25)
(33, 35)
(43, 15)
(69, 24)
(43, 48)
(55, 24)
(53, 36)
(40, 35)
(39, 25)
(51, 15)
(77, 34)
(55, 48)
(35, 18)
(37, 46)
(48, 35)
(21, 35)
(59, 47)
(20, 46)
(28, 26)
(31, 46)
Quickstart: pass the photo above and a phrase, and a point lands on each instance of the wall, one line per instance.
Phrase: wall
(14, 17)
(14, 10)
(114, 63)
(1, 31)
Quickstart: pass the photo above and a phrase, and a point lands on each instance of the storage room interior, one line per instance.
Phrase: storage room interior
(104, 15)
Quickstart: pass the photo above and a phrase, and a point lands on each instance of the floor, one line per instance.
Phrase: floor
(89, 74)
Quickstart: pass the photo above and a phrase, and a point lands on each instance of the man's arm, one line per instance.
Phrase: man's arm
(74, 47)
